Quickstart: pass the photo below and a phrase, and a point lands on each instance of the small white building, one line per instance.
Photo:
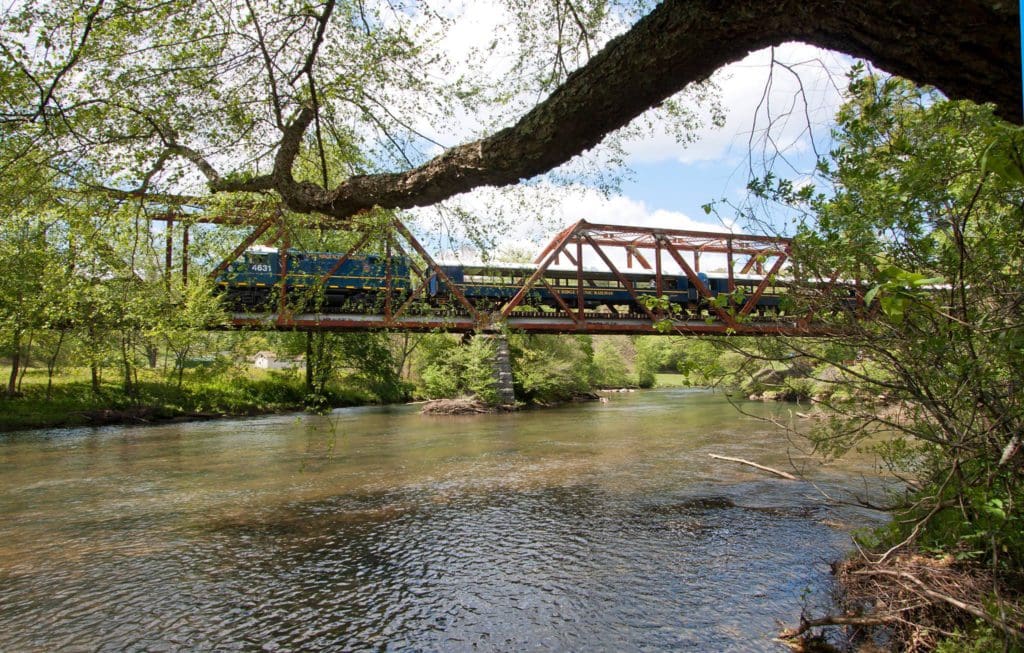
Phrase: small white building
(268, 360)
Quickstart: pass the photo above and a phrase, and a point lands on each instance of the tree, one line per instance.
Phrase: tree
(449, 367)
(181, 317)
(24, 292)
(925, 206)
(242, 92)
(551, 368)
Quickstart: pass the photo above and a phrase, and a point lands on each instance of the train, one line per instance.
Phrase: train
(330, 282)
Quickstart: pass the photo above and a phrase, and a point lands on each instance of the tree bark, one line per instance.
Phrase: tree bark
(15, 364)
(129, 388)
(28, 360)
(51, 364)
(967, 49)
(309, 362)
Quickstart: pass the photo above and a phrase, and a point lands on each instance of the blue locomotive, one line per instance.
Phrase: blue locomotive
(355, 282)
(329, 282)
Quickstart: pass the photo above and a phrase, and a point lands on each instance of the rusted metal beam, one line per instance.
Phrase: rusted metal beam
(658, 281)
(557, 241)
(412, 264)
(565, 307)
(282, 258)
(551, 251)
(572, 260)
(691, 247)
(729, 270)
(408, 302)
(246, 244)
(389, 279)
(597, 231)
(345, 257)
(184, 256)
(169, 254)
(560, 325)
(622, 279)
(415, 244)
(702, 289)
(581, 304)
(634, 251)
(751, 301)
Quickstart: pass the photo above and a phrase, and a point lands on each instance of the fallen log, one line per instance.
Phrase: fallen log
(777, 472)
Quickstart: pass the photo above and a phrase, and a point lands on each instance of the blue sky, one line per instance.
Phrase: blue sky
(670, 181)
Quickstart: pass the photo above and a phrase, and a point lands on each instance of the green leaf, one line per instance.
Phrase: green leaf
(870, 295)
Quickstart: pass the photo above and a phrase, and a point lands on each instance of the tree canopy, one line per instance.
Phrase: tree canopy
(142, 98)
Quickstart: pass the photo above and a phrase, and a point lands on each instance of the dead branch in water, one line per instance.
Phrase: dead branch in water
(777, 472)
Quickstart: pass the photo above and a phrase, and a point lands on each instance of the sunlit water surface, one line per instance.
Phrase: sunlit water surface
(589, 527)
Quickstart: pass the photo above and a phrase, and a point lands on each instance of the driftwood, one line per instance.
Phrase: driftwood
(916, 597)
(777, 472)
(837, 620)
(462, 406)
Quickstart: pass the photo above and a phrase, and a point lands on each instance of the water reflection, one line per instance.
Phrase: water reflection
(598, 527)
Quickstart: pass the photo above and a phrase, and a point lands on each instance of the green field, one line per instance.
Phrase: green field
(670, 381)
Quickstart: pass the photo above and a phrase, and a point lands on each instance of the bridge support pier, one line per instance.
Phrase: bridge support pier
(502, 363)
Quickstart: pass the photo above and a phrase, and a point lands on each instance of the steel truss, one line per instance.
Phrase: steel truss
(648, 248)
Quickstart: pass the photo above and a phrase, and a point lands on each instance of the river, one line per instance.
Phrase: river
(598, 527)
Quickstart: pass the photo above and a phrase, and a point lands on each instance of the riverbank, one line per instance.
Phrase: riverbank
(72, 401)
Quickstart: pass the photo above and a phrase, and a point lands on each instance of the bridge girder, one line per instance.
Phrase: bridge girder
(650, 248)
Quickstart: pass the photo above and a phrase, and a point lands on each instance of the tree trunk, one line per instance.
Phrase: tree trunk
(309, 362)
(28, 360)
(180, 358)
(15, 364)
(51, 364)
(129, 388)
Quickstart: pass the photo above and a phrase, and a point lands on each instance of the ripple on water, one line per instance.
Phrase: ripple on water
(562, 568)
(444, 562)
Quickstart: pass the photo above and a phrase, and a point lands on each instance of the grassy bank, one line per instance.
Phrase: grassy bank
(203, 393)
(664, 380)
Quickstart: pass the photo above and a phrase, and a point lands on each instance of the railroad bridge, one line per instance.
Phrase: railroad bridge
(755, 262)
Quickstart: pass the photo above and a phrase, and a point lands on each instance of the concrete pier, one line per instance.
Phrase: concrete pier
(503, 370)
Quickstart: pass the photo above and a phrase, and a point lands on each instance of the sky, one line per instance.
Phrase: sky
(791, 102)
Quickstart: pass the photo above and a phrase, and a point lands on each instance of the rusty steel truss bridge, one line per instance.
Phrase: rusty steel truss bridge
(619, 250)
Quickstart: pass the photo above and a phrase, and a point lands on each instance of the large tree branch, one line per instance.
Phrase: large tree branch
(967, 49)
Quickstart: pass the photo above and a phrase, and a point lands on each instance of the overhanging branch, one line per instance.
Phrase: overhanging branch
(967, 49)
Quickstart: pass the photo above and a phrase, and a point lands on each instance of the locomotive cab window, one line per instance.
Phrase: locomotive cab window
(259, 262)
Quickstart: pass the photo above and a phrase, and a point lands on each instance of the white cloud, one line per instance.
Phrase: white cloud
(805, 91)
(749, 109)
(521, 220)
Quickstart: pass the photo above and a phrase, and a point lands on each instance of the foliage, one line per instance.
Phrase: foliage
(449, 369)
(609, 363)
(369, 358)
(550, 368)
(925, 209)
(176, 98)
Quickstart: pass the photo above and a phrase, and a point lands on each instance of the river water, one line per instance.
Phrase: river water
(598, 527)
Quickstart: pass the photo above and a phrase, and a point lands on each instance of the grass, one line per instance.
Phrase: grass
(205, 391)
(671, 381)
